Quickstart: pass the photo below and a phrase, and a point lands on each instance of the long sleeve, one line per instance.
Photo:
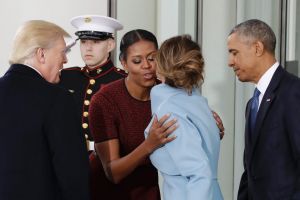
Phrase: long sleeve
(292, 115)
(68, 149)
(243, 188)
(189, 163)
(194, 170)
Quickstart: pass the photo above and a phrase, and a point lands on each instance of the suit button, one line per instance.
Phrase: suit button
(86, 102)
(92, 81)
(85, 125)
(89, 91)
(85, 114)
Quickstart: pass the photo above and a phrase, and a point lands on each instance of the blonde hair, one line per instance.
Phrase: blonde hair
(31, 35)
(180, 62)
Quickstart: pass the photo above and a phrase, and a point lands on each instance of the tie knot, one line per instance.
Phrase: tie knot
(256, 93)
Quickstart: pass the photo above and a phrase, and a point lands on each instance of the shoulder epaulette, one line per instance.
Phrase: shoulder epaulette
(120, 71)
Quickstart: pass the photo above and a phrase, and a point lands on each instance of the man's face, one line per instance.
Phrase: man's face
(242, 58)
(95, 52)
(55, 58)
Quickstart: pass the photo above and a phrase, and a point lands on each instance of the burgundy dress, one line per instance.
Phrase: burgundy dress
(115, 114)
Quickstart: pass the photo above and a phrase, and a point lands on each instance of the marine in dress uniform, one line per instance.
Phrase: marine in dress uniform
(85, 81)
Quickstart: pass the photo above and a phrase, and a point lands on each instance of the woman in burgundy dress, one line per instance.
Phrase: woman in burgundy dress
(119, 114)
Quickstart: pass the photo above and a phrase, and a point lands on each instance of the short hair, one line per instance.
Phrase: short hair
(255, 29)
(133, 37)
(31, 35)
(180, 62)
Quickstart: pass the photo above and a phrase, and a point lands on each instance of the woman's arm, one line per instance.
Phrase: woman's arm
(116, 167)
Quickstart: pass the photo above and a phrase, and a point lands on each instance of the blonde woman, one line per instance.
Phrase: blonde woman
(189, 163)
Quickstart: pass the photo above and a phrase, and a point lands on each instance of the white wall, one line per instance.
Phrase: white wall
(135, 14)
(167, 19)
(175, 17)
(14, 13)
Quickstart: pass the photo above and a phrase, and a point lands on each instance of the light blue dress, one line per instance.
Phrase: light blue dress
(189, 163)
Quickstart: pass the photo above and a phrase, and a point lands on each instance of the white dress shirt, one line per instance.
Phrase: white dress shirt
(265, 80)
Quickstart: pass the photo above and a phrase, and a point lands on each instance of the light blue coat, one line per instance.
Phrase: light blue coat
(189, 163)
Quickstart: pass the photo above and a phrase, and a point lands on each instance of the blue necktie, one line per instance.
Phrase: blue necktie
(254, 109)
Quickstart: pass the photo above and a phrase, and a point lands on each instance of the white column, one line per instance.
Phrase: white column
(167, 19)
(135, 14)
(219, 82)
(291, 26)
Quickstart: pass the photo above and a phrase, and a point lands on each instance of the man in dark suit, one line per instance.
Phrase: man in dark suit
(42, 153)
(272, 132)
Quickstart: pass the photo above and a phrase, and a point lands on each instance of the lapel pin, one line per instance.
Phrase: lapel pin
(72, 91)
(268, 100)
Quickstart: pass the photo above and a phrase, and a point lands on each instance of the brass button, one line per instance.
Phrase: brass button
(86, 102)
(85, 114)
(89, 91)
(85, 125)
(99, 71)
(92, 81)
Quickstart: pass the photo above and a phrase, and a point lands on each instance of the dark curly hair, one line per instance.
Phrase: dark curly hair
(180, 61)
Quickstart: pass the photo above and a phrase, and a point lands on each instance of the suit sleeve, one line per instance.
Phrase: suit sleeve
(292, 116)
(243, 188)
(67, 148)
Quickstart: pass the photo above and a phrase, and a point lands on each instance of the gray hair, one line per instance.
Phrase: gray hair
(255, 29)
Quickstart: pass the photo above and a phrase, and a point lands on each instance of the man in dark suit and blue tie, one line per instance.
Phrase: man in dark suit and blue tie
(42, 151)
(272, 132)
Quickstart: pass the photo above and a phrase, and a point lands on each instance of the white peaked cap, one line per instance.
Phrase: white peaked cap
(96, 23)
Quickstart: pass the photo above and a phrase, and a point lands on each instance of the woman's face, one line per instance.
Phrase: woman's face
(140, 64)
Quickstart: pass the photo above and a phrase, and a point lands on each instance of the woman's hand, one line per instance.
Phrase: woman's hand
(219, 124)
(159, 132)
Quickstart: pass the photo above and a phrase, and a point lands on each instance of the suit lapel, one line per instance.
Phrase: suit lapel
(266, 103)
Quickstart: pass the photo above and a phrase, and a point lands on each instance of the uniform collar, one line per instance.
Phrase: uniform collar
(97, 70)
